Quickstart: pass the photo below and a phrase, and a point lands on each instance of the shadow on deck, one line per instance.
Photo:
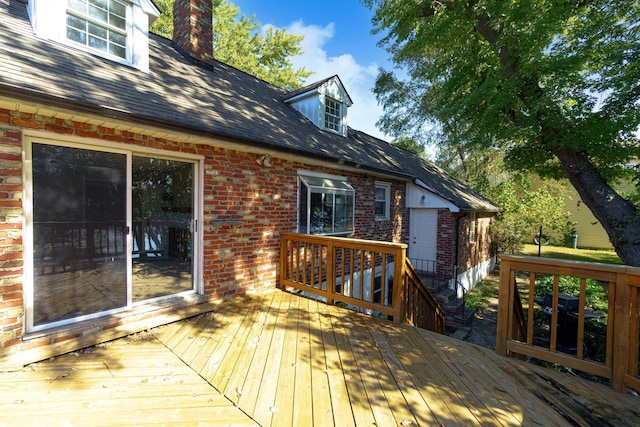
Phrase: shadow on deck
(277, 359)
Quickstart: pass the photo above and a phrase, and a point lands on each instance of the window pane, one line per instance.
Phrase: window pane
(76, 23)
(118, 22)
(98, 20)
(333, 115)
(99, 3)
(79, 5)
(302, 209)
(117, 8)
(79, 202)
(76, 36)
(117, 50)
(321, 213)
(380, 194)
(344, 213)
(162, 192)
(380, 209)
(98, 14)
(118, 39)
(97, 43)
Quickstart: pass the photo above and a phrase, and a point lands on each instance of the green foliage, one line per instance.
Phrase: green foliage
(409, 144)
(541, 65)
(241, 42)
(604, 256)
(552, 85)
(596, 294)
(478, 298)
(524, 211)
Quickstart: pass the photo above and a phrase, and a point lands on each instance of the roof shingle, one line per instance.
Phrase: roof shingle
(177, 94)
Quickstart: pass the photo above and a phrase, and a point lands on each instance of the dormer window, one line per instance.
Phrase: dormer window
(114, 29)
(324, 103)
(332, 115)
(98, 24)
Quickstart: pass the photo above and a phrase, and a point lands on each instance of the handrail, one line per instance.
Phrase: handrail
(368, 275)
(422, 310)
(621, 358)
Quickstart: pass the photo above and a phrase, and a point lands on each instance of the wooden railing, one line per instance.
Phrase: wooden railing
(375, 277)
(621, 323)
(422, 309)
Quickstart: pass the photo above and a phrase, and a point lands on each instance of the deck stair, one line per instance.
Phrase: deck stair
(453, 305)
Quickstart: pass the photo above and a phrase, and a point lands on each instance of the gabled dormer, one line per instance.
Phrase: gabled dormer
(114, 29)
(325, 103)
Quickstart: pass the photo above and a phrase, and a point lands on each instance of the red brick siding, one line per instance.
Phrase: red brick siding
(11, 249)
(473, 253)
(445, 252)
(193, 33)
(246, 205)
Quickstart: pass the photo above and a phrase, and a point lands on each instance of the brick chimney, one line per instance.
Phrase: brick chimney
(193, 29)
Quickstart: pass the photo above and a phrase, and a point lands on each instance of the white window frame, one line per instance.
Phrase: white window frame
(333, 115)
(386, 186)
(49, 21)
(472, 227)
(126, 31)
(129, 151)
(317, 183)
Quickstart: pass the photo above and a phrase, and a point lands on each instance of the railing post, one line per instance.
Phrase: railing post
(331, 276)
(399, 285)
(283, 260)
(503, 308)
(620, 337)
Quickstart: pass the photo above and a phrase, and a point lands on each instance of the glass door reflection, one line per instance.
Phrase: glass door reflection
(162, 197)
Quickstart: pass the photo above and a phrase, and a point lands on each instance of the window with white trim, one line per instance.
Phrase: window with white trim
(332, 115)
(114, 29)
(472, 227)
(107, 228)
(325, 204)
(99, 25)
(382, 200)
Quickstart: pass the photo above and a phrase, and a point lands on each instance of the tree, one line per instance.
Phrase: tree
(525, 210)
(409, 144)
(239, 42)
(555, 85)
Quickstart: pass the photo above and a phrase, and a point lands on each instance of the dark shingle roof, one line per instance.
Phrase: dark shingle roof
(178, 95)
(313, 86)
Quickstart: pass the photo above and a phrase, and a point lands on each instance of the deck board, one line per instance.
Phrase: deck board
(278, 359)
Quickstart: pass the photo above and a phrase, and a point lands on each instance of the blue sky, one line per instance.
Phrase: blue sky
(338, 40)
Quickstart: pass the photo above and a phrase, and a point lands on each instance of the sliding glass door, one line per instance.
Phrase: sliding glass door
(109, 229)
(162, 227)
(79, 232)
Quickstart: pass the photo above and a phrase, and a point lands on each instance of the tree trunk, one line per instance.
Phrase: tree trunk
(619, 217)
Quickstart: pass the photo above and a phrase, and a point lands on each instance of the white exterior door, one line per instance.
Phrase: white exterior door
(423, 239)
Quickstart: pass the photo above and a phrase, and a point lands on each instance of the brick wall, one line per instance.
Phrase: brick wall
(246, 205)
(11, 250)
(193, 28)
(445, 252)
(473, 253)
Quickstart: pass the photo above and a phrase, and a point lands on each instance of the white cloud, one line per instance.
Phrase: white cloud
(358, 79)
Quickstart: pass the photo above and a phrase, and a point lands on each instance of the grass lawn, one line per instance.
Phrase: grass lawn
(479, 297)
(591, 255)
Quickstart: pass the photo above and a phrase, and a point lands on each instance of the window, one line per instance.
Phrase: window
(382, 200)
(107, 229)
(472, 227)
(325, 205)
(99, 25)
(332, 115)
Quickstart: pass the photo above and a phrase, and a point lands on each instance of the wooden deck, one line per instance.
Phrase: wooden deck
(278, 359)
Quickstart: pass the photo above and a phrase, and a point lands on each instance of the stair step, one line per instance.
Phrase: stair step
(454, 305)
(458, 332)
(464, 316)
